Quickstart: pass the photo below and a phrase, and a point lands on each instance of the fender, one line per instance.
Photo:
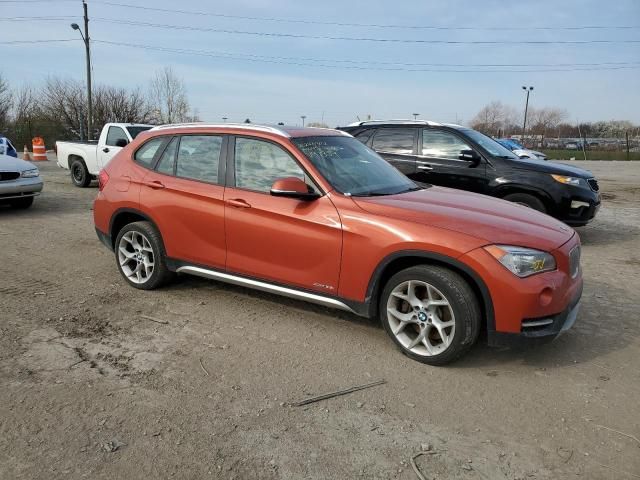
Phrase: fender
(375, 286)
(128, 210)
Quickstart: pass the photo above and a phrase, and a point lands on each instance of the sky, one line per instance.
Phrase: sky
(280, 63)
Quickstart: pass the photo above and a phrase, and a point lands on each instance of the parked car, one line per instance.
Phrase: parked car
(520, 150)
(7, 148)
(85, 159)
(459, 157)
(315, 215)
(20, 182)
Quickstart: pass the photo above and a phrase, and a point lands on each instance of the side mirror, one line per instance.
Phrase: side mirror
(470, 156)
(292, 187)
(122, 142)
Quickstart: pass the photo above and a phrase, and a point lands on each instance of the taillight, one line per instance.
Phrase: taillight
(103, 178)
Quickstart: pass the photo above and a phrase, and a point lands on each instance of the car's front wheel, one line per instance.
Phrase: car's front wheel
(431, 313)
(140, 256)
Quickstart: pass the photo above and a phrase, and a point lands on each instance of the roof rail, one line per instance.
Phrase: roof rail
(394, 122)
(245, 126)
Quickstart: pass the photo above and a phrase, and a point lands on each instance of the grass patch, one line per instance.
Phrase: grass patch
(591, 155)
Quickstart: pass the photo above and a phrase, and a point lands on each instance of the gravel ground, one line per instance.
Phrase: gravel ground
(89, 388)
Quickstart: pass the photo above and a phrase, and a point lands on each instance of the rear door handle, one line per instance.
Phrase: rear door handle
(424, 166)
(105, 150)
(155, 184)
(238, 203)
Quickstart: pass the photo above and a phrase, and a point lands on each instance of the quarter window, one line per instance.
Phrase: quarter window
(442, 145)
(199, 157)
(258, 164)
(147, 152)
(114, 134)
(168, 158)
(394, 140)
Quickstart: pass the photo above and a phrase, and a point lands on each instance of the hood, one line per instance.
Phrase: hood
(13, 164)
(487, 218)
(545, 166)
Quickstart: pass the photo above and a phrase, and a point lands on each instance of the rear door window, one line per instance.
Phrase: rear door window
(394, 140)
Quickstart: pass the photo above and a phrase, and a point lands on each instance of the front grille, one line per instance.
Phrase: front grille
(593, 183)
(574, 261)
(6, 176)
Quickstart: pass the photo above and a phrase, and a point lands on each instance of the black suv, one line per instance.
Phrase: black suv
(459, 157)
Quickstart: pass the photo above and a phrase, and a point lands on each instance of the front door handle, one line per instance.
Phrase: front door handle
(425, 167)
(238, 203)
(105, 150)
(155, 184)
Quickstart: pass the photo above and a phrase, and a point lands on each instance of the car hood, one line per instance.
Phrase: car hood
(487, 218)
(545, 166)
(13, 164)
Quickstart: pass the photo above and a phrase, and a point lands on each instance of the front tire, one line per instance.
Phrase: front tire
(431, 313)
(140, 256)
(80, 174)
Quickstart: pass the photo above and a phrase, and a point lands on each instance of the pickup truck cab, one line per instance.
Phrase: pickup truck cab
(86, 159)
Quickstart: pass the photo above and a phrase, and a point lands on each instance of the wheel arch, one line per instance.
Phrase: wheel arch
(125, 216)
(543, 196)
(400, 260)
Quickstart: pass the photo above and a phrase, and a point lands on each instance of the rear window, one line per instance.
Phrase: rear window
(135, 131)
(394, 140)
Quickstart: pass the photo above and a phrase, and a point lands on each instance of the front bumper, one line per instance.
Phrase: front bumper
(544, 333)
(579, 206)
(20, 188)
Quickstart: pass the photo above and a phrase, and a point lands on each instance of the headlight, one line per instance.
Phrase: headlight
(522, 262)
(30, 173)
(578, 182)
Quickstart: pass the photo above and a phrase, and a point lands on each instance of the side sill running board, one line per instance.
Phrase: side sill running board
(265, 287)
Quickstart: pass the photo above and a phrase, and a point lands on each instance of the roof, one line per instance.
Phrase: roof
(281, 130)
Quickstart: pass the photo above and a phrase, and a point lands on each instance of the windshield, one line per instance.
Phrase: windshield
(352, 168)
(489, 144)
(134, 131)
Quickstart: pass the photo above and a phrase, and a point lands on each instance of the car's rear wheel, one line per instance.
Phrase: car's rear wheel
(431, 313)
(527, 200)
(22, 203)
(79, 173)
(140, 256)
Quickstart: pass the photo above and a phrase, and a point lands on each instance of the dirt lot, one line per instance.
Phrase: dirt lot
(91, 389)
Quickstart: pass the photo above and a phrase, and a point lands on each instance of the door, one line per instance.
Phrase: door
(398, 147)
(184, 193)
(440, 164)
(284, 240)
(116, 139)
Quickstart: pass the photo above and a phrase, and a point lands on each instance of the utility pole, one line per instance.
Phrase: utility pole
(526, 108)
(86, 39)
(303, 117)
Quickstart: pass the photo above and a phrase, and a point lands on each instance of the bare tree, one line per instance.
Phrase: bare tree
(112, 104)
(169, 97)
(495, 119)
(5, 103)
(544, 121)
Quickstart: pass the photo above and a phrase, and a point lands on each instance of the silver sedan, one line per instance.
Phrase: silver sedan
(20, 182)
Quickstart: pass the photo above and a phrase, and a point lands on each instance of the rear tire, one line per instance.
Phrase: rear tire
(140, 256)
(431, 313)
(22, 203)
(80, 174)
(527, 200)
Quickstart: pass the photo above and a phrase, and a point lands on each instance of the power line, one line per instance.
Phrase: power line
(366, 25)
(318, 62)
(32, 19)
(18, 42)
(359, 39)
(363, 62)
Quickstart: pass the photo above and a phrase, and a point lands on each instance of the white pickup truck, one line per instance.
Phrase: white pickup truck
(86, 159)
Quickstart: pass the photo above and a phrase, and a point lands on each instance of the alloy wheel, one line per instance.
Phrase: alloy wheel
(421, 318)
(136, 257)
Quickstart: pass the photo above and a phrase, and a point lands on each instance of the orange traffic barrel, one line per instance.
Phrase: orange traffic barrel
(39, 152)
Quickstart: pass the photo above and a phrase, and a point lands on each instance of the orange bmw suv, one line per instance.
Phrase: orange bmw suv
(316, 215)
